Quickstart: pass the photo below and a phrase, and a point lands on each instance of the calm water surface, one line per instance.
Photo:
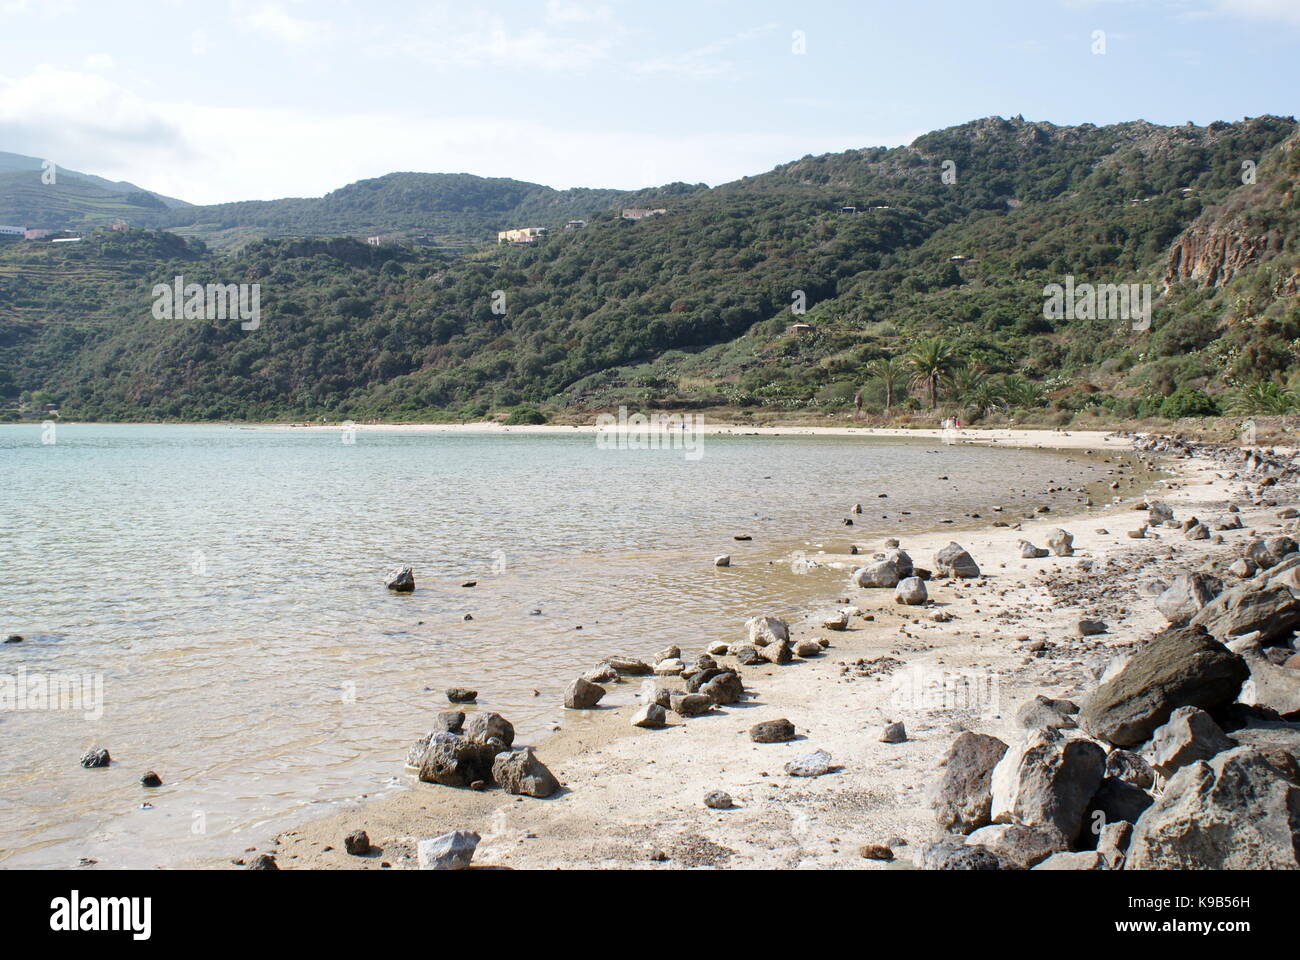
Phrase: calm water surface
(227, 585)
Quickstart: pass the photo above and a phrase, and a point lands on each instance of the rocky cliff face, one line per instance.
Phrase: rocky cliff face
(1212, 253)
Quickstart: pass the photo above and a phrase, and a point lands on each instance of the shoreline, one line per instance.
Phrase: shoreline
(637, 794)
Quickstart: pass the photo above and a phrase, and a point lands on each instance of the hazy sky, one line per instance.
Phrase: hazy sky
(213, 100)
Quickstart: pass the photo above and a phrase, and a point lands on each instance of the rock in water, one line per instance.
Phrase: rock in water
(880, 573)
(150, 779)
(1061, 543)
(1185, 597)
(911, 592)
(1238, 811)
(461, 695)
(954, 561)
(96, 757)
(963, 798)
(722, 561)
(582, 695)
(772, 731)
(357, 843)
(455, 761)
(451, 851)
(1184, 666)
(811, 765)
(1047, 781)
(765, 630)
(1190, 735)
(521, 773)
(450, 721)
(403, 581)
(484, 726)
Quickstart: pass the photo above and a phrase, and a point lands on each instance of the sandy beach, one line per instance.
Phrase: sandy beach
(633, 798)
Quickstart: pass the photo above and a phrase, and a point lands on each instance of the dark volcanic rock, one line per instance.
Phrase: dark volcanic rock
(772, 731)
(357, 843)
(950, 853)
(403, 581)
(1184, 666)
(456, 761)
(96, 757)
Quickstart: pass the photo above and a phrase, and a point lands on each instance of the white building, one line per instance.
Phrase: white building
(12, 231)
(521, 235)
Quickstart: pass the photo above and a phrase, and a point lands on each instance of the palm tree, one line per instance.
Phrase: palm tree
(932, 362)
(1263, 397)
(891, 374)
(1020, 391)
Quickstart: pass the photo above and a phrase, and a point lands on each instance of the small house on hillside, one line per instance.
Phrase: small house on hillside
(575, 224)
(848, 209)
(521, 235)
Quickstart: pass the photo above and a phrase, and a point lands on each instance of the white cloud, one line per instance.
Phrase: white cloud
(1287, 11)
(566, 11)
(273, 20)
(98, 62)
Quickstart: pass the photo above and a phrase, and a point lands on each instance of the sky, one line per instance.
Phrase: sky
(218, 100)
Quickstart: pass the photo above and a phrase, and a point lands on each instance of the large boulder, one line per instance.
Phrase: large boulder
(902, 563)
(484, 726)
(1047, 781)
(954, 561)
(1270, 685)
(1184, 598)
(1238, 811)
(521, 773)
(778, 652)
(1184, 666)
(878, 573)
(1190, 735)
(765, 630)
(912, 592)
(950, 853)
(1159, 513)
(1116, 801)
(963, 798)
(1061, 543)
(456, 761)
(582, 695)
(726, 687)
(1272, 610)
(1018, 845)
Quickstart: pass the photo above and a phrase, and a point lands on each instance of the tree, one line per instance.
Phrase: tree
(891, 373)
(932, 362)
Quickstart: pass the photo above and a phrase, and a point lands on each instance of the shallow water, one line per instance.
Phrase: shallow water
(227, 586)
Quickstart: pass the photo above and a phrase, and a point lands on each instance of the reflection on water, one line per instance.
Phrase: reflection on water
(228, 586)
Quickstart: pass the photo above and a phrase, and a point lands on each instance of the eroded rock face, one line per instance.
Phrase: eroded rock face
(1183, 666)
(1238, 811)
(963, 798)
(1047, 781)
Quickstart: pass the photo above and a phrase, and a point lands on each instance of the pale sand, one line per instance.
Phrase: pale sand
(631, 792)
(1045, 439)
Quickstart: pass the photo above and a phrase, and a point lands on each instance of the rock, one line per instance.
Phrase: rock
(484, 726)
(724, 688)
(1017, 845)
(778, 652)
(814, 764)
(1159, 513)
(455, 761)
(450, 721)
(461, 695)
(718, 800)
(357, 843)
(954, 561)
(1189, 735)
(519, 772)
(1185, 597)
(901, 561)
(1047, 781)
(668, 653)
(1083, 860)
(1045, 712)
(1272, 610)
(150, 779)
(765, 630)
(1089, 628)
(837, 621)
(950, 853)
(690, 704)
(1181, 667)
(582, 695)
(263, 861)
(650, 716)
(720, 649)
(451, 851)
(403, 581)
(875, 851)
(1198, 532)
(96, 757)
(722, 561)
(1237, 811)
(772, 731)
(1139, 534)
(669, 668)
(806, 648)
(747, 655)
(1270, 685)
(963, 797)
(912, 592)
(1131, 768)
(1030, 552)
(881, 573)
(1113, 843)
(1061, 543)
(894, 733)
(1116, 800)
(13, 638)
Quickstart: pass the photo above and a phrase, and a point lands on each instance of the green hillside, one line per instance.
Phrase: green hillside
(693, 309)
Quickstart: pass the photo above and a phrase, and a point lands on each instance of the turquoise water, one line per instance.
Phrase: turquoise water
(227, 586)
